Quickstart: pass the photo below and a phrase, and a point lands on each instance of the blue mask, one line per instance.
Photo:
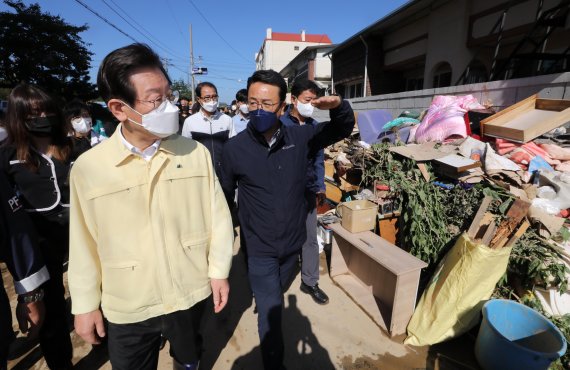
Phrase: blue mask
(262, 120)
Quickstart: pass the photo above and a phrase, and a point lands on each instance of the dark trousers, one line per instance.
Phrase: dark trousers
(54, 334)
(136, 346)
(310, 251)
(6, 333)
(268, 277)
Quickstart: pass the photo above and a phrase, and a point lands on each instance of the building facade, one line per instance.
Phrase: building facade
(278, 48)
(436, 43)
(311, 64)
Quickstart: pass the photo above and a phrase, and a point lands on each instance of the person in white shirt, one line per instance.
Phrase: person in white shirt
(209, 126)
(242, 113)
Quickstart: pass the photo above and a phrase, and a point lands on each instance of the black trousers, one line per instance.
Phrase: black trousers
(136, 346)
(6, 333)
(54, 334)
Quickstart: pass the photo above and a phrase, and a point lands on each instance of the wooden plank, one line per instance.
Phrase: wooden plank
(552, 104)
(387, 228)
(523, 105)
(516, 236)
(404, 302)
(487, 220)
(514, 216)
(333, 192)
(485, 203)
(491, 229)
(421, 152)
(424, 171)
(456, 164)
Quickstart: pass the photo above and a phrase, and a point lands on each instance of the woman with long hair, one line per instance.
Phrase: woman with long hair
(36, 158)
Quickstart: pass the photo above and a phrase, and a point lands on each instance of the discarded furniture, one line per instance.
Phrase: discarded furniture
(380, 277)
(527, 119)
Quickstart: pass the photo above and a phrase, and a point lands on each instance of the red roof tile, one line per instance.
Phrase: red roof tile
(280, 36)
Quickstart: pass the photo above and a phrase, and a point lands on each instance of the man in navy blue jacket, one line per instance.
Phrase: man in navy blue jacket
(20, 251)
(268, 163)
(300, 112)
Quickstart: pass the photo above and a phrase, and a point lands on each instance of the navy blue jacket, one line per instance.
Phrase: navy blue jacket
(271, 181)
(19, 246)
(316, 169)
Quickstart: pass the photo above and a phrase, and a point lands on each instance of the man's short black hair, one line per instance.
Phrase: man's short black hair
(270, 77)
(299, 86)
(241, 96)
(201, 85)
(113, 78)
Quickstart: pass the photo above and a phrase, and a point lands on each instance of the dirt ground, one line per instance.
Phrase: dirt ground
(338, 335)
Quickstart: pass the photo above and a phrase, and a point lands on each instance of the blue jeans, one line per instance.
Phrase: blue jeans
(268, 277)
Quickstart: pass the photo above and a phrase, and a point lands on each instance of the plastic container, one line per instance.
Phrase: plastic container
(358, 215)
(513, 336)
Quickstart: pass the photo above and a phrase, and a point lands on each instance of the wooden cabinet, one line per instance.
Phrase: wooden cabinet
(380, 277)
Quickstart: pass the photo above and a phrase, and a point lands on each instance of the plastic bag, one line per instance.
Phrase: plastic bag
(445, 118)
(463, 282)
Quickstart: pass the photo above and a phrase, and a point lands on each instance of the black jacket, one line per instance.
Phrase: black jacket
(18, 239)
(271, 181)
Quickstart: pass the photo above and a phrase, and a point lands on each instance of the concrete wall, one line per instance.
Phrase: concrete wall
(501, 94)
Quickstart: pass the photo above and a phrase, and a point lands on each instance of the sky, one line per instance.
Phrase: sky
(225, 34)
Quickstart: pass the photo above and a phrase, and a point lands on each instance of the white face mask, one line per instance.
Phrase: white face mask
(3, 134)
(161, 122)
(244, 108)
(81, 125)
(234, 107)
(210, 106)
(305, 109)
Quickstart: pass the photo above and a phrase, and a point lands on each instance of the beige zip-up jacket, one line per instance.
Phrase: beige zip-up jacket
(146, 237)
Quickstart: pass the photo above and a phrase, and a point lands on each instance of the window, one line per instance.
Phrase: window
(353, 91)
(296, 48)
(442, 75)
(413, 84)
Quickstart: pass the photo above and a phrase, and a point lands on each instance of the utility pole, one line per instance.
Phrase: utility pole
(192, 66)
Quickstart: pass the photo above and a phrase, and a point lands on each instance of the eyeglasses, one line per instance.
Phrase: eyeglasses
(253, 105)
(171, 97)
(209, 98)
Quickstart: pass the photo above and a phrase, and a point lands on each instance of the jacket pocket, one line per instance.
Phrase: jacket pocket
(126, 286)
(196, 252)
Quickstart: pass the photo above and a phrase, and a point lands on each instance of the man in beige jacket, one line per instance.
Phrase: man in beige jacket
(150, 235)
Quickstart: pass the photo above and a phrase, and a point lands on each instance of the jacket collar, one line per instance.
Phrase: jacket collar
(292, 118)
(121, 153)
(256, 136)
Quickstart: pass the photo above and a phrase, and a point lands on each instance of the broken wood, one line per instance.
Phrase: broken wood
(424, 171)
(516, 236)
(514, 216)
(485, 203)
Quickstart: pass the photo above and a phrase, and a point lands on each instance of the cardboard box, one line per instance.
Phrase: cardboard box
(358, 215)
(380, 277)
(527, 119)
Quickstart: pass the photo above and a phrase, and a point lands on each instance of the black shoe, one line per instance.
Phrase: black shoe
(318, 295)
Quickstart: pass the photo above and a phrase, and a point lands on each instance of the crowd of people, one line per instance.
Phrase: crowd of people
(138, 197)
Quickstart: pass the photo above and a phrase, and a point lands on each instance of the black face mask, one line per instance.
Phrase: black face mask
(42, 126)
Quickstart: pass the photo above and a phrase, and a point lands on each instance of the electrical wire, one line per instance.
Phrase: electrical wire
(157, 43)
(105, 20)
(182, 37)
(216, 31)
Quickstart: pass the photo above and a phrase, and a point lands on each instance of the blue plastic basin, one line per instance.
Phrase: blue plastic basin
(514, 337)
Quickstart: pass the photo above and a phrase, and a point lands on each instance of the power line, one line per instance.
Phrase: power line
(175, 21)
(216, 31)
(105, 20)
(161, 46)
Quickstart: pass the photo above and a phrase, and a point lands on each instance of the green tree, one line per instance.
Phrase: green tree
(43, 49)
(182, 88)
